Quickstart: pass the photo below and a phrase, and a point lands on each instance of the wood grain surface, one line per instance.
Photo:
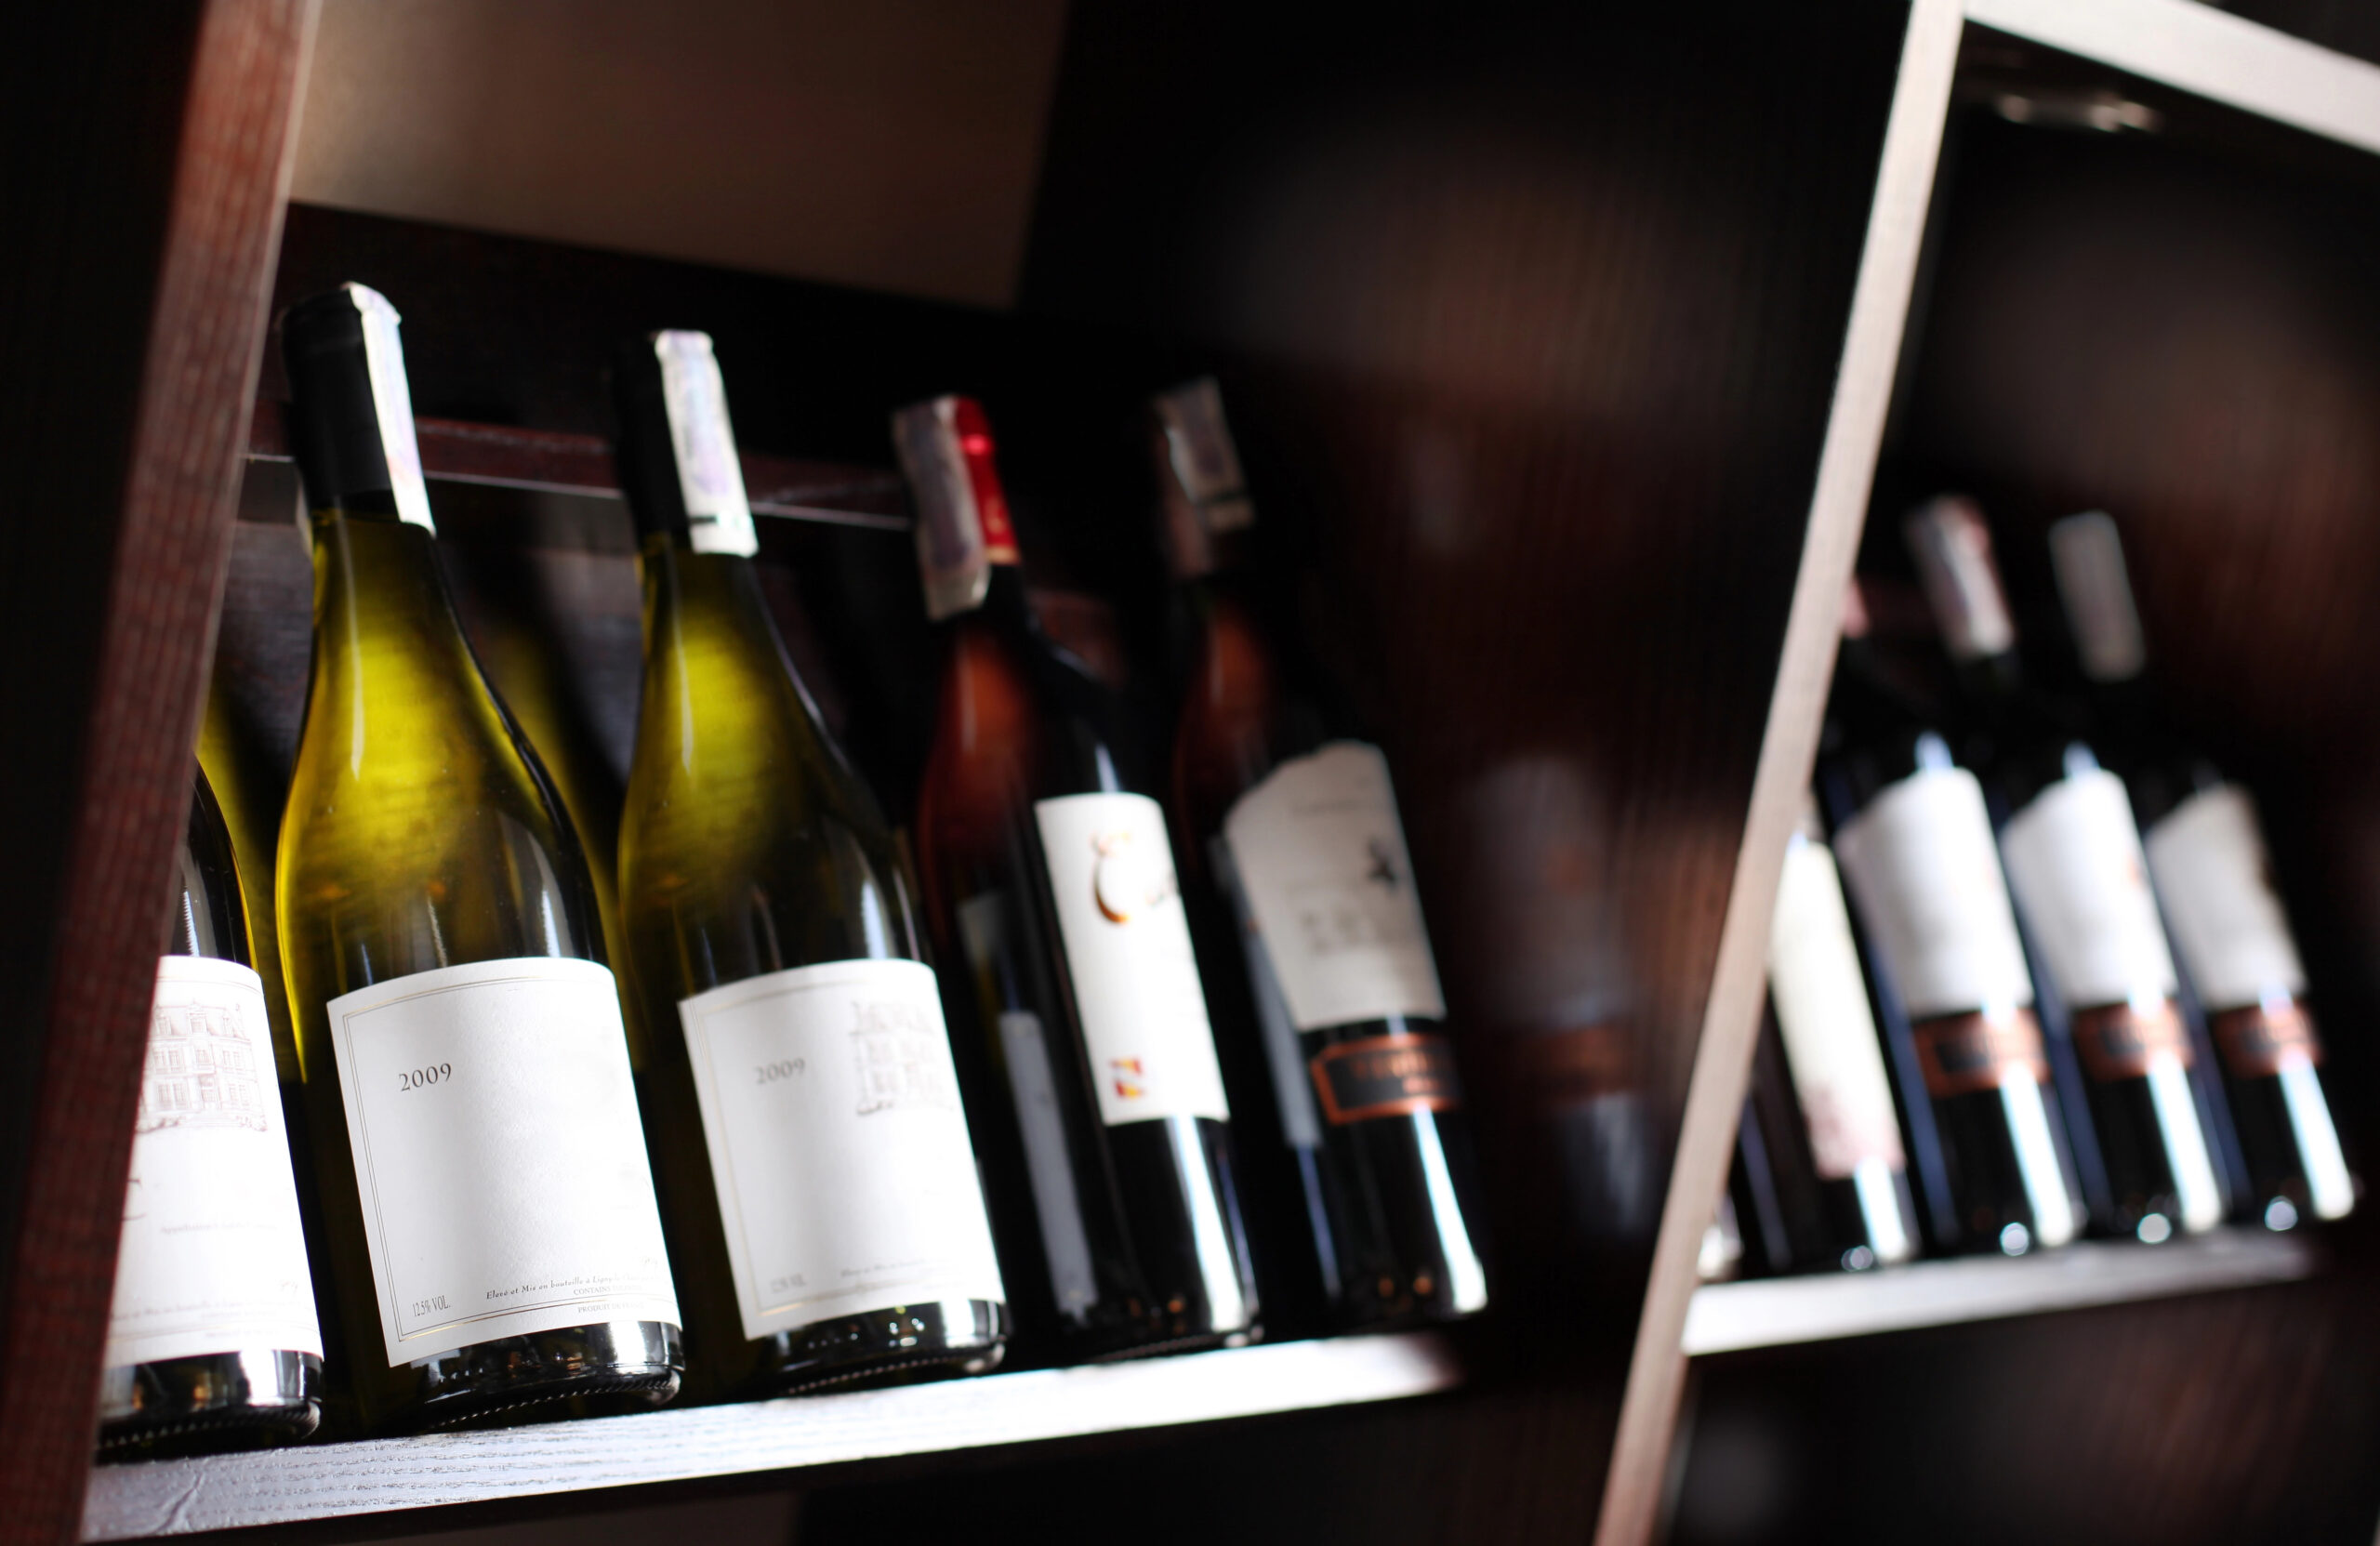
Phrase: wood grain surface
(383, 1476)
(146, 150)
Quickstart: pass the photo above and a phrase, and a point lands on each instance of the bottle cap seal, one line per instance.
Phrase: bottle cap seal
(1952, 547)
(2087, 556)
(709, 480)
(962, 520)
(1205, 495)
(353, 413)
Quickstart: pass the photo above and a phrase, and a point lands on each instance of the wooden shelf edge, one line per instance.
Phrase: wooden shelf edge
(1732, 1318)
(2204, 51)
(547, 461)
(322, 1482)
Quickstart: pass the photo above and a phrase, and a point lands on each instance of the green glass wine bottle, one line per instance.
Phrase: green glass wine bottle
(823, 1204)
(488, 1213)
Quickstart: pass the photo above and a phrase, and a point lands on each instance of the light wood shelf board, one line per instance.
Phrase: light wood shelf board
(2210, 53)
(1731, 1317)
(322, 1482)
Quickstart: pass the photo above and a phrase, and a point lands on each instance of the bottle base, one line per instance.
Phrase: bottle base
(605, 1368)
(900, 1344)
(209, 1404)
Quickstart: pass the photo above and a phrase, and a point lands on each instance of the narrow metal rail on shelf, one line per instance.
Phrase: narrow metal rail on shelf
(547, 461)
(322, 1482)
(1730, 1317)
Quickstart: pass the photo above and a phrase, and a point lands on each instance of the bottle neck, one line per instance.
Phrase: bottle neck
(381, 611)
(718, 685)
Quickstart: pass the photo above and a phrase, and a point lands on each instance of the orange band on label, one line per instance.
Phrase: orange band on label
(1385, 1076)
(2257, 1043)
(2121, 1040)
(1962, 1053)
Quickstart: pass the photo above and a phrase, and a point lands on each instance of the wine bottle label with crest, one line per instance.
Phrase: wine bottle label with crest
(846, 1180)
(1320, 853)
(1831, 1051)
(1128, 949)
(2075, 863)
(213, 1257)
(2215, 880)
(498, 1153)
(1926, 876)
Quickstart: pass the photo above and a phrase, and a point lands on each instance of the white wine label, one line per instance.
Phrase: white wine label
(719, 516)
(384, 364)
(846, 1180)
(1831, 1045)
(1928, 881)
(213, 1259)
(1119, 909)
(499, 1155)
(2075, 863)
(1321, 857)
(2215, 880)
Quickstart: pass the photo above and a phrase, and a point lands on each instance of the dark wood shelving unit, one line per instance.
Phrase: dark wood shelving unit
(1571, 348)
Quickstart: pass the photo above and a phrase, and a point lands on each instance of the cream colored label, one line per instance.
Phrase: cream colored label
(1127, 950)
(499, 1155)
(1923, 868)
(2074, 861)
(1822, 1001)
(1321, 857)
(846, 1180)
(213, 1257)
(2215, 880)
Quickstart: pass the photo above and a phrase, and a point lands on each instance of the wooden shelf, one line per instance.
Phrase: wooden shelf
(1730, 1317)
(544, 461)
(324, 1482)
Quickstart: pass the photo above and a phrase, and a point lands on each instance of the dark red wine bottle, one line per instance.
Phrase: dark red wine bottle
(1093, 1077)
(2206, 855)
(1823, 1180)
(2073, 857)
(1915, 843)
(1352, 1105)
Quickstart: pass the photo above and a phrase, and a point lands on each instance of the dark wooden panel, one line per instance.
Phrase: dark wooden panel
(142, 154)
(2179, 329)
(2240, 1417)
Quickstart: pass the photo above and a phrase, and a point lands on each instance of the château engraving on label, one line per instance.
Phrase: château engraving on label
(213, 1257)
(845, 1179)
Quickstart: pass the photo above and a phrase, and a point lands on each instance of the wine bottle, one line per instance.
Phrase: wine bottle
(825, 1220)
(212, 1337)
(2074, 863)
(1051, 878)
(1915, 845)
(2206, 857)
(487, 1209)
(1307, 889)
(1823, 1148)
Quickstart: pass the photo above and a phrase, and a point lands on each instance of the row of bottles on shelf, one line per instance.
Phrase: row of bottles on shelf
(776, 1170)
(2090, 1002)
